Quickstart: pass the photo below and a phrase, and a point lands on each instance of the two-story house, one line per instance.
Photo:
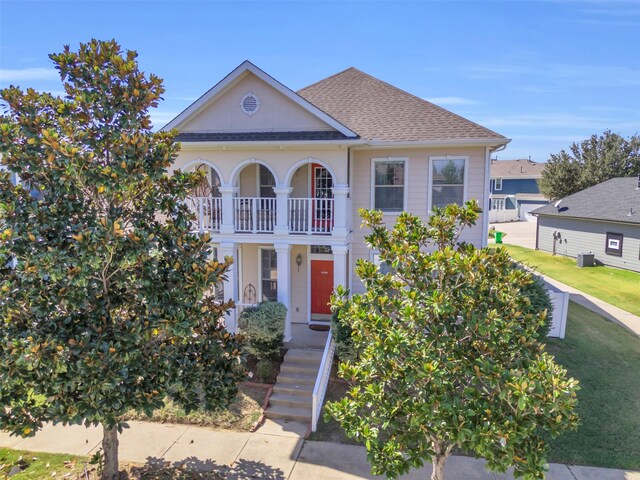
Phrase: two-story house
(286, 173)
(514, 190)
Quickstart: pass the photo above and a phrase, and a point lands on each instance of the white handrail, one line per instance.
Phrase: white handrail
(322, 380)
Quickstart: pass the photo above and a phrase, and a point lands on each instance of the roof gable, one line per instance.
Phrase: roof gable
(616, 200)
(279, 109)
(376, 110)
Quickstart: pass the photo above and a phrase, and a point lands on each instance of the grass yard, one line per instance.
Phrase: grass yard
(605, 357)
(37, 466)
(613, 285)
(40, 465)
(241, 415)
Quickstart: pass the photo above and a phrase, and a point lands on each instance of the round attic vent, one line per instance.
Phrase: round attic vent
(250, 104)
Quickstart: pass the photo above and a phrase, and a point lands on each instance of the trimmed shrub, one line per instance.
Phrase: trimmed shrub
(265, 371)
(263, 329)
(540, 301)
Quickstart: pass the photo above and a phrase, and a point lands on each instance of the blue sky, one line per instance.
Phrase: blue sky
(544, 73)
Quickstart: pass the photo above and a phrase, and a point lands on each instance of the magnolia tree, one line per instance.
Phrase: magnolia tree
(447, 353)
(107, 298)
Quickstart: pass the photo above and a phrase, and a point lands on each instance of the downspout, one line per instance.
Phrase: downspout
(487, 194)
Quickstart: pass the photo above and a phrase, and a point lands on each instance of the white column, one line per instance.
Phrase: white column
(340, 265)
(283, 252)
(228, 249)
(340, 210)
(227, 193)
(282, 209)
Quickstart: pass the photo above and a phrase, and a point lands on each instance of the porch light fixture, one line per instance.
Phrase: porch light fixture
(299, 260)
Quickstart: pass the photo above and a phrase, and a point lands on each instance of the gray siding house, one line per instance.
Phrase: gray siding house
(603, 220)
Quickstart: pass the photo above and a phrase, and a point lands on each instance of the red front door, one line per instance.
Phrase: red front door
(321, 285)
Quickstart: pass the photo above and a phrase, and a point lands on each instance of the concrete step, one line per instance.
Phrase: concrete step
(305, 368)
(290, 400)
(296, 379)
(288, 413)
(304, 390)
(299, 356)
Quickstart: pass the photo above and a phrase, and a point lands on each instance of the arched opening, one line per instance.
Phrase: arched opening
(205, 200)
(254, 207)
(311, 202)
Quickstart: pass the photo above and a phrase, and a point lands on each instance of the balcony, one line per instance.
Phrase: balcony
(304, 216)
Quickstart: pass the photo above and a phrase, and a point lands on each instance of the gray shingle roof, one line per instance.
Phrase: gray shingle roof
(259, 136)
(617, 200)
(516, 168)
(376, 110)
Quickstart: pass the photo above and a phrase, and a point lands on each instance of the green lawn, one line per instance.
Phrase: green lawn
(605, 357)
(613, 285)
(40, 465)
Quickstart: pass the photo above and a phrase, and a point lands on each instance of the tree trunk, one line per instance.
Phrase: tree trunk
(438, 462)
(110, 451)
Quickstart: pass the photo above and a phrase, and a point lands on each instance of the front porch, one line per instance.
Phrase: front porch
(301, 277)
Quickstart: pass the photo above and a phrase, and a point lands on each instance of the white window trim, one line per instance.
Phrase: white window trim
(464, 185)
(261, 248)
(495, 184)
(405, 198)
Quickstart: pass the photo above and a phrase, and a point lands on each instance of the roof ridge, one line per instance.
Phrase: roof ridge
(327, 78)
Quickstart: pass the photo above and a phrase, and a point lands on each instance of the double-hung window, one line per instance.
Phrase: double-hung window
(447, 180)
(497, 204)
(269, 274)
(267, 182)
(497, 184)
(388, 184)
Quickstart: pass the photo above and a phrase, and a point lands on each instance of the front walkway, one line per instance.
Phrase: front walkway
(275, 452)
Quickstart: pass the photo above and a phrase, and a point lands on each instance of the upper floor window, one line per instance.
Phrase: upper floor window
(497, 184)
(388, 184)
(448, 180)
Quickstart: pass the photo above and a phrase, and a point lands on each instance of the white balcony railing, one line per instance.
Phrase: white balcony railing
(310, 215)
(208, 211)
(254, 214)
(258, 215)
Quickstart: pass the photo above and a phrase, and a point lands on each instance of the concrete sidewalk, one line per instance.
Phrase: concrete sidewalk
(276, 451)
(611, 312)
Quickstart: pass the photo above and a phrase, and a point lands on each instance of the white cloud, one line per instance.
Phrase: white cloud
(28, 74)
(160, 119)
(451, 101)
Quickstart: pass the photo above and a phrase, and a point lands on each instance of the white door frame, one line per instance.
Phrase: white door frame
(310, 257)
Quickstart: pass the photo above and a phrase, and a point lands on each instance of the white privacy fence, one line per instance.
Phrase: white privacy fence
(560, 302)
(310, 215)
(322, 380)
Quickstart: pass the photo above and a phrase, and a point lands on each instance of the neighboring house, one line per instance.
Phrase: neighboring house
(286, 173)
(603, 220)
(514, 190)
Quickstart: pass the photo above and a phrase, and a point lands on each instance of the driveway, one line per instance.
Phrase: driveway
(518, 233)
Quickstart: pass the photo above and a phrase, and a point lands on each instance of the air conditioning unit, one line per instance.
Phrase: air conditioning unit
(586, 260)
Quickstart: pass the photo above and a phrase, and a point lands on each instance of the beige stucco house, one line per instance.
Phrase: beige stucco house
(287, 172)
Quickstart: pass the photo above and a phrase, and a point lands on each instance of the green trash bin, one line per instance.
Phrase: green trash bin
(499, 237)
